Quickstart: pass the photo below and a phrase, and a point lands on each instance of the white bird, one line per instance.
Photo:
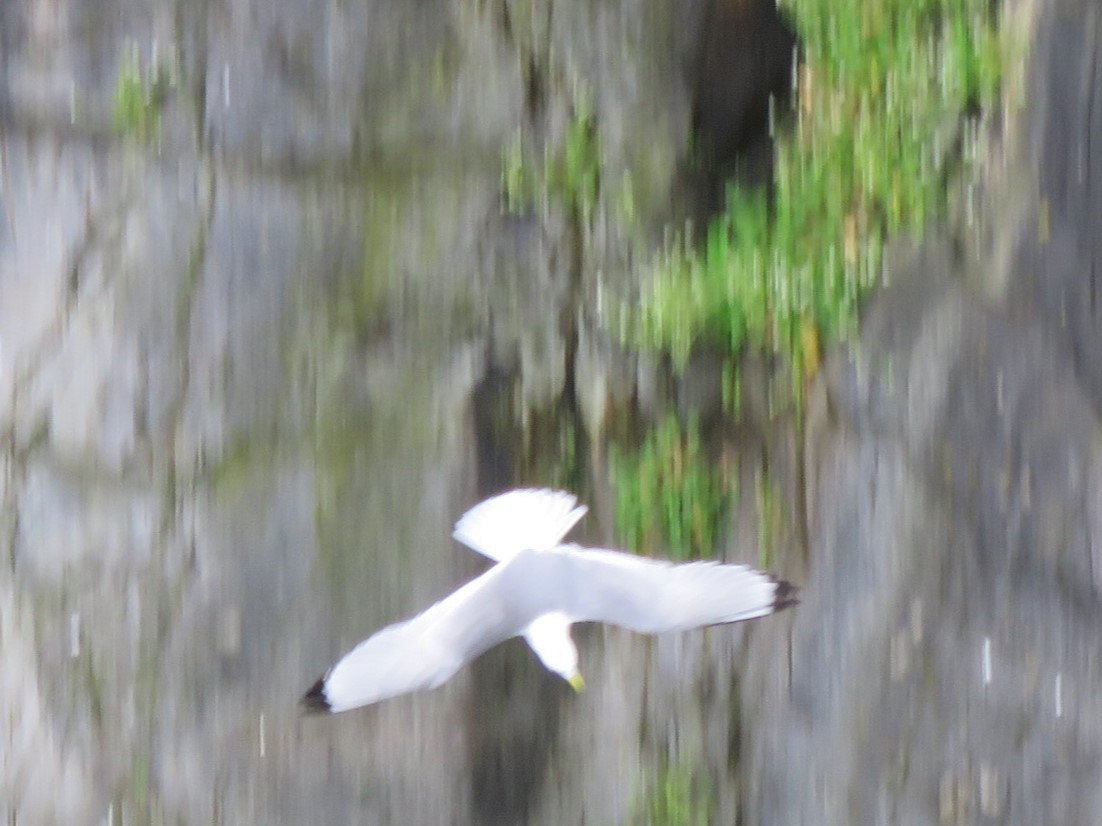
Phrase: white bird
(538, 589)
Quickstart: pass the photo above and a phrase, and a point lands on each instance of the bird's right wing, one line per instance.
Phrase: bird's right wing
(519, 520)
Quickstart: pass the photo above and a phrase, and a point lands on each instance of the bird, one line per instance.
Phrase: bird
(538, 588)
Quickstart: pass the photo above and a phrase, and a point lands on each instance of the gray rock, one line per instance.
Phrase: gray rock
(943, 655)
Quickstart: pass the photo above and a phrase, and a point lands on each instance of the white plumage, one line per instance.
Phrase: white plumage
(537, 589)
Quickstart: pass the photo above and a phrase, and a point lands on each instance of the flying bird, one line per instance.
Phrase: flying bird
(537, 589)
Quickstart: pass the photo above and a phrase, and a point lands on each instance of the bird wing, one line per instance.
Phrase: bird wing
(652, 596)
(519, 520)
(422, 652)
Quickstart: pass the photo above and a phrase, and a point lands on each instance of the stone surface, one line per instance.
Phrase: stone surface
(241, 335)
(944, 654)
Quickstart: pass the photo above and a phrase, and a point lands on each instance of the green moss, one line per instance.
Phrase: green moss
(770, 519)
(139, 780)
(675, 799)
(552, 450)
(518, 180)
(95, 689)
(240, 463)
(884, 88)
(140, 96)
(569, 177)
(669, 501)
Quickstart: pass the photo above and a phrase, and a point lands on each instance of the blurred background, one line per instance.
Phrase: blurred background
(286, 287)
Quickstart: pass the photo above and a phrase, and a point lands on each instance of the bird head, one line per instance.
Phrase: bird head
(549, 637)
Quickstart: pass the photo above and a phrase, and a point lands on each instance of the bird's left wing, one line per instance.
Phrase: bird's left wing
(420, 653)
(519, 520)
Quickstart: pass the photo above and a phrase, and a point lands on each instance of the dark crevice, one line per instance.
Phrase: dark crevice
(534, 61)
(508, 747)
(741, 81)
(494, 454)
(535, 91)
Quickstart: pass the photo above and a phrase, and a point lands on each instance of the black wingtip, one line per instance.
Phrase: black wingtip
(785, 595)
(314, 701)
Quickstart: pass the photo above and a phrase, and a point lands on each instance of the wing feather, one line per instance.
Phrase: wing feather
(519, 520)
(422, 652)
(653, 596)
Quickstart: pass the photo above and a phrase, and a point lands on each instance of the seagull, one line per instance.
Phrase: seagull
(537, 589)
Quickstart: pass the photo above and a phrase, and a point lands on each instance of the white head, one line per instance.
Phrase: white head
(549, 637)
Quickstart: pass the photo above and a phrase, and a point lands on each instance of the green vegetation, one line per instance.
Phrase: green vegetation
(570, 174)
(770, 519)
(551, 453)
(884, 89)
(884, 95)
(139, 779)
(674, 800)
(140, 97)
(669, 500)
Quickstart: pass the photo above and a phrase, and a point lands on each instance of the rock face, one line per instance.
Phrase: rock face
(257, 295)
(265, 332)
(944, 661)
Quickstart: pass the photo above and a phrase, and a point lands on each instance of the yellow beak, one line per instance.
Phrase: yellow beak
(577, 682)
